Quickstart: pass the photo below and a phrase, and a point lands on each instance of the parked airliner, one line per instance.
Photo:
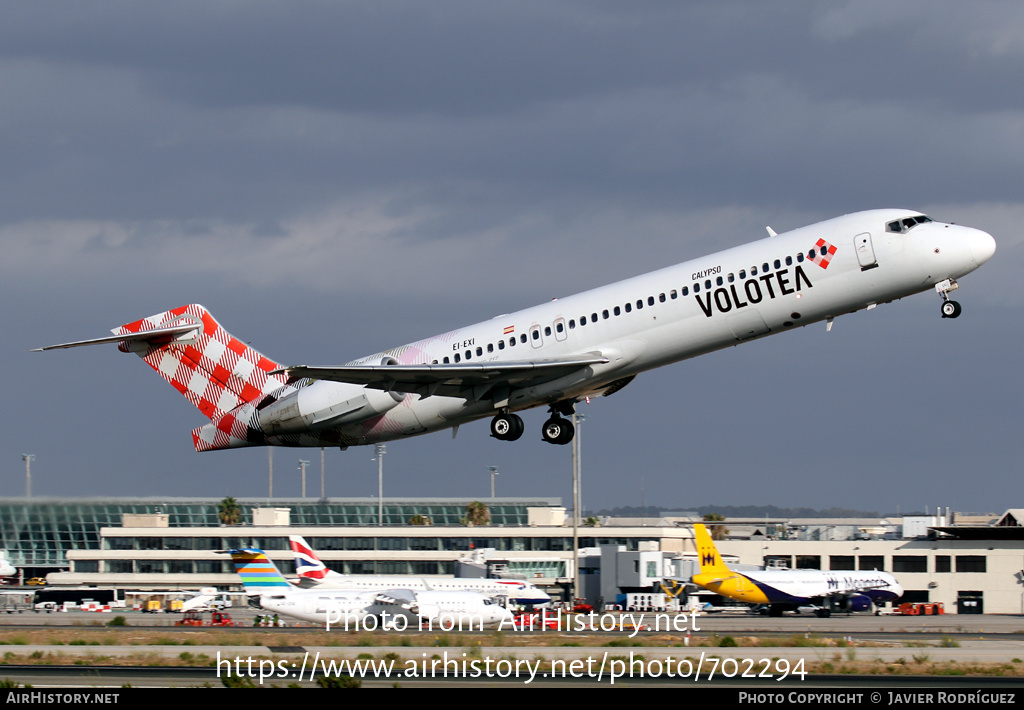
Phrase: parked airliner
(315, 574)
(558, 353)
(788, 589)
(353, 607)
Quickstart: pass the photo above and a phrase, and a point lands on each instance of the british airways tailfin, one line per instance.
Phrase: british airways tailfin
(307, 564)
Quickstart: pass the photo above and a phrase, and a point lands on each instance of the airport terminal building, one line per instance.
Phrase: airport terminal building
(171, 544)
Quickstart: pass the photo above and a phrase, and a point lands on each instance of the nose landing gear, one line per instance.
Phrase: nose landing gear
(950, 308)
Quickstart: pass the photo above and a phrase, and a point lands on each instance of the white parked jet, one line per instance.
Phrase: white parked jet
(351, 608)
(314, 573)
(788, 589)
(557, 353)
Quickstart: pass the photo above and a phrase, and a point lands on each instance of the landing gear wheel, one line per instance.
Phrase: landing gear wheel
(558, 431)
(507, 427)
(950, 309)
(823, 613)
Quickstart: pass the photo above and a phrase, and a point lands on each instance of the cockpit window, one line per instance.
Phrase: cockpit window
(902, 226)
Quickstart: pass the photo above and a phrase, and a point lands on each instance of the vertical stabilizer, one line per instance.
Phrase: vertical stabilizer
(710, 561)
(307, 564)
(259, 575)
(214, 370)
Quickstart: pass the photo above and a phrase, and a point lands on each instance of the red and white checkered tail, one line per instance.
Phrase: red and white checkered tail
(214, 370)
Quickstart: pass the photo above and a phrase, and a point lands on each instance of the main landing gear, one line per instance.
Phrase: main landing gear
(507, 427)
(950, 309)
(557, 430)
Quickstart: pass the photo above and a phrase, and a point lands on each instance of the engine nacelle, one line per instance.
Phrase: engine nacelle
(323, 405)
(856, 602)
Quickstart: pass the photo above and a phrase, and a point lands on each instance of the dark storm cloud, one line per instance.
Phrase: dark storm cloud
(332, 179)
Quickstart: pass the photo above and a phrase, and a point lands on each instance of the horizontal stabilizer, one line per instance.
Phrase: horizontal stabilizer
(145, 335)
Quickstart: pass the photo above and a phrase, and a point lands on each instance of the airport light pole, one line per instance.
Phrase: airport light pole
(494, 472)
(28, 473)
(577, 462)
(381, 450)
(323, 488)
(270, 461)
(302, 467)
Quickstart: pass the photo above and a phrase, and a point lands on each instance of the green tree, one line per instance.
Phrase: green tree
(477, 514)
(420, 520)
(718, 532)
(229, 512)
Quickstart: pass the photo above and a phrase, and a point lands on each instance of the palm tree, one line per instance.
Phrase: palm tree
(229, 512)
(718, 532)
(477, 514)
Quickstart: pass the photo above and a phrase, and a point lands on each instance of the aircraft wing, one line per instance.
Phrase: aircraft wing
(403, 598)
(453, 380)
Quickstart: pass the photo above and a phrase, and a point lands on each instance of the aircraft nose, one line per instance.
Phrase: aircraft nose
(982, 246)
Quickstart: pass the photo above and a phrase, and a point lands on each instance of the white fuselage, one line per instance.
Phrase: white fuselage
(517, 591)
(351, 609)
(676, 313)
(801, 586)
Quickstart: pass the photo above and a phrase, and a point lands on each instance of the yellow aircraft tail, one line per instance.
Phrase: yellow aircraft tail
(710, 561)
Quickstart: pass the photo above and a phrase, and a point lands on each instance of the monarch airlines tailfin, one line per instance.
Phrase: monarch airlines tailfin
(710, 561)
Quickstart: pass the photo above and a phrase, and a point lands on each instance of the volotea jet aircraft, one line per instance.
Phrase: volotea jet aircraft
(558, 353)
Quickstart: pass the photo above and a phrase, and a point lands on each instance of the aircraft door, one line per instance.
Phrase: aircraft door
(535, 336)
(865, 251)
(559, 327)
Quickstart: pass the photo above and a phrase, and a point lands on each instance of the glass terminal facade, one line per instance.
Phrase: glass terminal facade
(37, 532)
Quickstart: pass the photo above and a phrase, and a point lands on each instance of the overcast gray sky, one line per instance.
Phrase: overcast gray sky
(333, 179)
